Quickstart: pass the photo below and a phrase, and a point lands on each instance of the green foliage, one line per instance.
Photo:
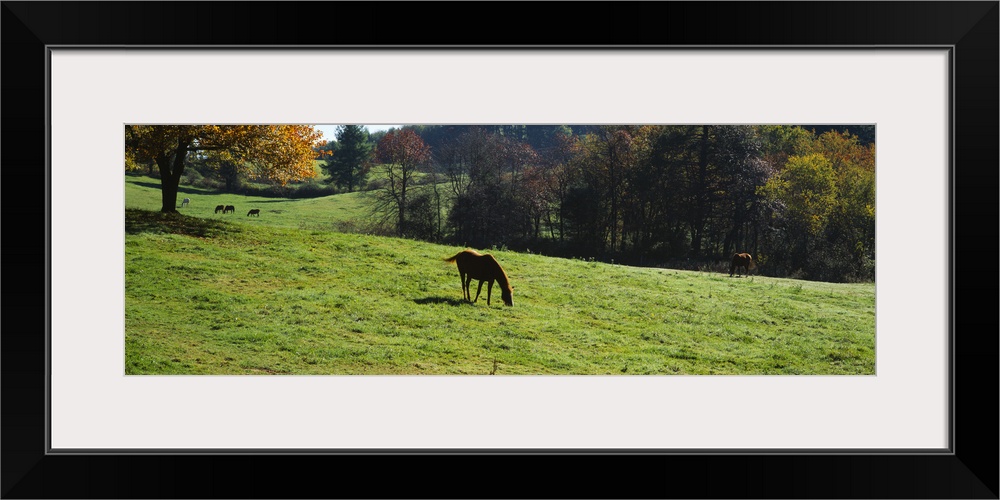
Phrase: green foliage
(807, 188)
(350, 162)
(782, 141)
(823, 211)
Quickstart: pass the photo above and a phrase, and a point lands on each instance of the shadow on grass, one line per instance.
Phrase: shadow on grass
(440, 300)
(146, 221)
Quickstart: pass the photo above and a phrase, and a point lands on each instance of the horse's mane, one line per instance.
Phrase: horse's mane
(502, 278)
(467, 250)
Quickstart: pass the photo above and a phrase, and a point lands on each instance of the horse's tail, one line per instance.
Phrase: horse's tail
(452, 258)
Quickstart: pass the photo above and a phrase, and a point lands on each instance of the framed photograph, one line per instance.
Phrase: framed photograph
(190, 326)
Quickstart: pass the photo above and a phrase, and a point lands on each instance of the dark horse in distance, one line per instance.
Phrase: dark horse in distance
(483, 267)
(741, 260)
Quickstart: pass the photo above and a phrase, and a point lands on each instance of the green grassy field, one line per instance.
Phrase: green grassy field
(329, 213)
(287, 294)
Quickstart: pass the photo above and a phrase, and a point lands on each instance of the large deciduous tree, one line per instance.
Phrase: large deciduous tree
(400, 152)
(803, 195)
(278, 153)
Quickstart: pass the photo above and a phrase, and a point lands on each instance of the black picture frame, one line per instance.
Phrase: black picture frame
(970, 470)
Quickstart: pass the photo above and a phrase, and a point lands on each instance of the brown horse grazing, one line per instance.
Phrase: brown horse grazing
(483, 267)
(743, 260)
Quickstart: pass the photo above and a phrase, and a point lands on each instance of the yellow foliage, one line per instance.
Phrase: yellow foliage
(281, 153)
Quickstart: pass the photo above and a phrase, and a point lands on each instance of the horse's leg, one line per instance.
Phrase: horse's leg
(466, 293)
(479, 290)
(489, 291)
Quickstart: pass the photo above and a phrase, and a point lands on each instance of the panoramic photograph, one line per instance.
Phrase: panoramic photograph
(499, 249)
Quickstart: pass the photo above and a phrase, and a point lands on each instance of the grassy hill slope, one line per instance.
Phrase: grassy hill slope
(330, 212)
(214, 295)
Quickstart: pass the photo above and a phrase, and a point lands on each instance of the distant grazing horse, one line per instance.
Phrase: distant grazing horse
(228, 209)
(220, 208)
(474, 265)
(185, 202)
(743, 260)
(255, 211)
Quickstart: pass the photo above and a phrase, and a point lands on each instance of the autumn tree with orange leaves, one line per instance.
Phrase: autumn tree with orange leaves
(277, 153)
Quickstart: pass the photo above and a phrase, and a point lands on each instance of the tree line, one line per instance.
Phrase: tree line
(801, 200)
